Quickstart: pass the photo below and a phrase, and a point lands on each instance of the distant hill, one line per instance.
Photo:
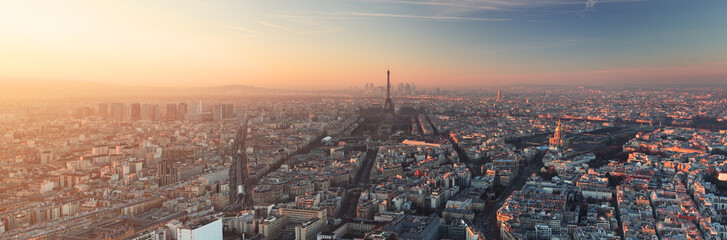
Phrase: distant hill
(234, 89)
(33, 89)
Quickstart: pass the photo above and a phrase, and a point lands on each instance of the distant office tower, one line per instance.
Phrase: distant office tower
(156, 113)
(83, 112)
(388, 105)
(168, 173)
(146, 112)
(222, 111)
(117, 112)
(182, 110)
(229, 111)
(217, 112)
(103, 110)
(135, 112)
(171, 112)
(499, 95)
(196, 107)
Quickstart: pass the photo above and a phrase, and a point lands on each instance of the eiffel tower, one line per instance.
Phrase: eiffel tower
(388, 105)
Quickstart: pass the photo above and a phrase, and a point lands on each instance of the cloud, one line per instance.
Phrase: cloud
(455, 6)
(589, 5)
(485, 4)
(423, 17)
(278, 27)
(301, 25)
(247, 31)
(458, 4)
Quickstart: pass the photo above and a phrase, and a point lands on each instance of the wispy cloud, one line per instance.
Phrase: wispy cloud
(213, 4)
(308, 21)
(454, 6)
(278, 27)
(485, 4)
(544, 45)
(302, 25)
(459, 4)
(589, 5)
(248, 32)
(422, 17)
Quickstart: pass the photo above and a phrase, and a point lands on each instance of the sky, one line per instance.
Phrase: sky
(309, 44)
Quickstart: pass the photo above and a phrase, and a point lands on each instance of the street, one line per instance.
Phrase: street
(361, 179)
(487, 220)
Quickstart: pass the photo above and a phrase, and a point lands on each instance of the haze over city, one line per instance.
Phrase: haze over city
(341, 44)
(363, 120)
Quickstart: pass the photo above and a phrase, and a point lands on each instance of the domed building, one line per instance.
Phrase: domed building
(558, 139)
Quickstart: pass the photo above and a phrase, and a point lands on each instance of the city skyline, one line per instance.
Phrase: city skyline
(521, 163)
(363, 119)
(340, 44)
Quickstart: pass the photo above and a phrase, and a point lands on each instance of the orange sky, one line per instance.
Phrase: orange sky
(339, 44)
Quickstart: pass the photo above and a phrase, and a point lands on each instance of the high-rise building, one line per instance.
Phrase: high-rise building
(135, 112)
(223, 111)
(168, 172)
(103, 110)
(117, 112)
(171, 112)
(499, 95)
(197, 108)
(229, 111)
(83, 112)
(218, 113)
(388, 105)
(146, 111)
(182, 110)
(156, 113)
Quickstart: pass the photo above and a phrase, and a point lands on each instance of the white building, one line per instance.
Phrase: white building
(207, 231)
